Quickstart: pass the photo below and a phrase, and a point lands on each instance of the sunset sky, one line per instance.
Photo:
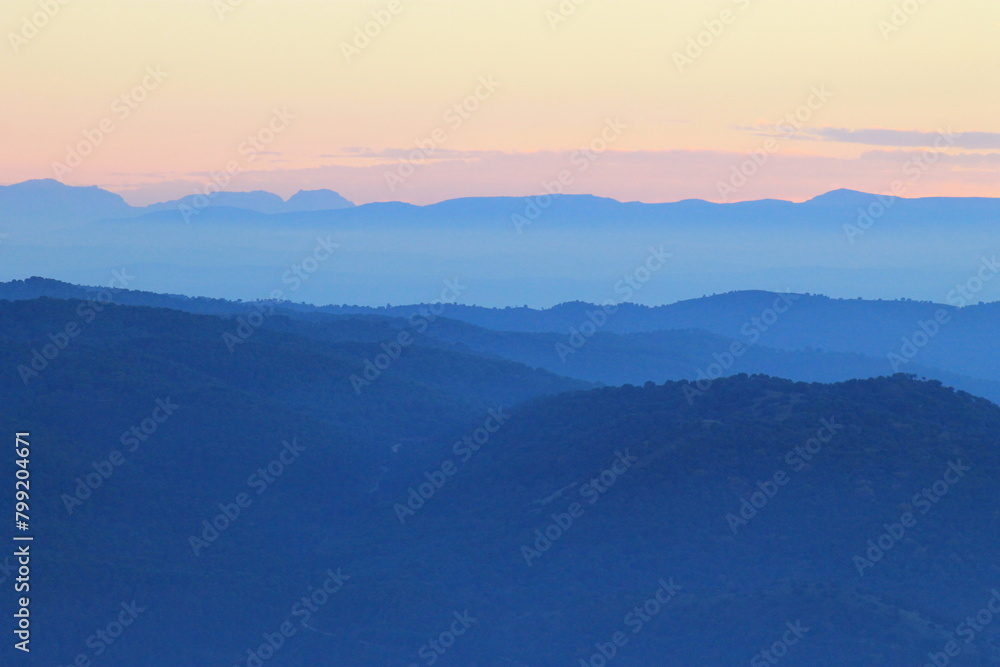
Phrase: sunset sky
(328, 110)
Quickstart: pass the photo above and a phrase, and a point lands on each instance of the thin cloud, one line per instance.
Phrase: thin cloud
(893, 138)
(407, 153)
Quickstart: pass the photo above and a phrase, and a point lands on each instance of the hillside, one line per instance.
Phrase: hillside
(816, 339)
(920, 334)
(660, 519)
(669, 515)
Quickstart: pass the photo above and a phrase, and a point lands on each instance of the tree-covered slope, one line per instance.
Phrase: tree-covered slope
(742, 510)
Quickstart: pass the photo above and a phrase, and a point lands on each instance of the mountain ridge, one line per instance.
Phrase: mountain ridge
(693, 340)
(266, 202)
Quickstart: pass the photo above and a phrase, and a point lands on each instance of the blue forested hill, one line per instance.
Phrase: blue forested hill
(547, 523)
(812, 338)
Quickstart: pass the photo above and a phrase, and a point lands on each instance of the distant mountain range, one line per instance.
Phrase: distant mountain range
(508, 250)
(48, 198)
(258, 201)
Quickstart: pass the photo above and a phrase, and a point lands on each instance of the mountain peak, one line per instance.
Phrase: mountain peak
(43, 182)
(316, 200)
(842, 197)
(52, 185)
(58, 204)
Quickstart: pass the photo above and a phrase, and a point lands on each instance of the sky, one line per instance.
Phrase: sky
(427, 100)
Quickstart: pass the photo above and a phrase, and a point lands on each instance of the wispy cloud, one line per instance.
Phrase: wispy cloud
(404, 153)
(886, 137)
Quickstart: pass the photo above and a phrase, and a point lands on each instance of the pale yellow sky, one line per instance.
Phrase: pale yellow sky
(895, 79)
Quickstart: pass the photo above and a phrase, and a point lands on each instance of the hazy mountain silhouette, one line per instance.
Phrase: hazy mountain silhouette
(47, 196)
(316, 200)
(311, 373)
(690, 340)
(877, 329)
(50, 201)
(257, 201)
(510, 248)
